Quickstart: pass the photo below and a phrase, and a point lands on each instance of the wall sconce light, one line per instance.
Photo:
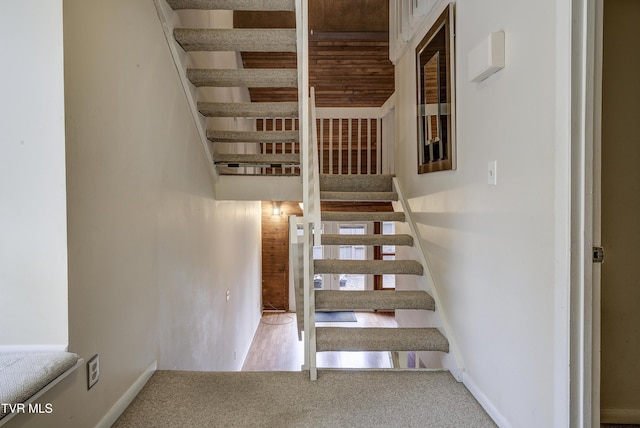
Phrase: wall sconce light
(276, 208)
(301, 205)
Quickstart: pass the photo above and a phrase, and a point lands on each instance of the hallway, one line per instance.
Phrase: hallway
(275, 346)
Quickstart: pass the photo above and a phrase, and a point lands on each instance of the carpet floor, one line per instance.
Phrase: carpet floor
(289, 399)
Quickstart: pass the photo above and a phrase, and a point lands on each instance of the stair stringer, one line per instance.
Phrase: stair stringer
(452, 360)
(170, 20)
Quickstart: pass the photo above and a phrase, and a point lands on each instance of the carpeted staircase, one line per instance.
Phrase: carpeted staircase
(244, 40)
(244, 165)
(368, 188)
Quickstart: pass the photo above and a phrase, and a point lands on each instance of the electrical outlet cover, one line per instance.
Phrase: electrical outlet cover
(93, 371)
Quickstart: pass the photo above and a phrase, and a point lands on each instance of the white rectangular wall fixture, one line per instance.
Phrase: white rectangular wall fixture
(486, 58)
(492, 171)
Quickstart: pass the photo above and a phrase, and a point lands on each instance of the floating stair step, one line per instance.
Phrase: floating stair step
(375, 267)
(362, 216)
(257, 159)
(358, 196)
(244, 77)
(264, 5)
(335, 239)
(287, 109)
(373, 300)
(253, 136)
(356, 183)
(380, 339)
(237, 39)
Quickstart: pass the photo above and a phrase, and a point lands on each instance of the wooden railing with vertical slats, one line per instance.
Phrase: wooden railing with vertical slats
(350, 141)
(279, 124)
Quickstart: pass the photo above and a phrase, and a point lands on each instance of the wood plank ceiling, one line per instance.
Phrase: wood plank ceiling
(348, 52)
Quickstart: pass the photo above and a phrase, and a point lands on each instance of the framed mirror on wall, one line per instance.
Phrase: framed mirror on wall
(436, 96)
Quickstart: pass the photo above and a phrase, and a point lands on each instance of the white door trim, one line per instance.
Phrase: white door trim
(597, 210)
(584, 387)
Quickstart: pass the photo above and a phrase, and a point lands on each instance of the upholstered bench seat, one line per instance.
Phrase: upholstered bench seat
(24, 374)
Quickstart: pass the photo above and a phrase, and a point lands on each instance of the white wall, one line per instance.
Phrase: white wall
(499, 253)
(151, 253)
(33, 234)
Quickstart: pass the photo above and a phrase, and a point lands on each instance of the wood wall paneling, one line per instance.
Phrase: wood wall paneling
(324, 15)
(275, 254)
(348, 52)
(346, 69)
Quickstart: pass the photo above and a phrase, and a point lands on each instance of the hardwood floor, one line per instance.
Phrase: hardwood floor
(275, 346)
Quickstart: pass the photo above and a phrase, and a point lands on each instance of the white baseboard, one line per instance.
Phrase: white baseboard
(114, 413)
(620, 416)
(450, 363)
(486, 404)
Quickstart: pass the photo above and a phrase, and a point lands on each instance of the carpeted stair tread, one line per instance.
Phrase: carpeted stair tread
(336, 239)
(256, 5)
(253, 136)
(356, 183)
(236, 39)
(284, 109)
(380, 339)
(358, 196)
(375, 267)
(373, 300)
(244, 77)
(362, 216)
(257, 159)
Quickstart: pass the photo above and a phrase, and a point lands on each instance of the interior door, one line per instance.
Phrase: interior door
(620, 214)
